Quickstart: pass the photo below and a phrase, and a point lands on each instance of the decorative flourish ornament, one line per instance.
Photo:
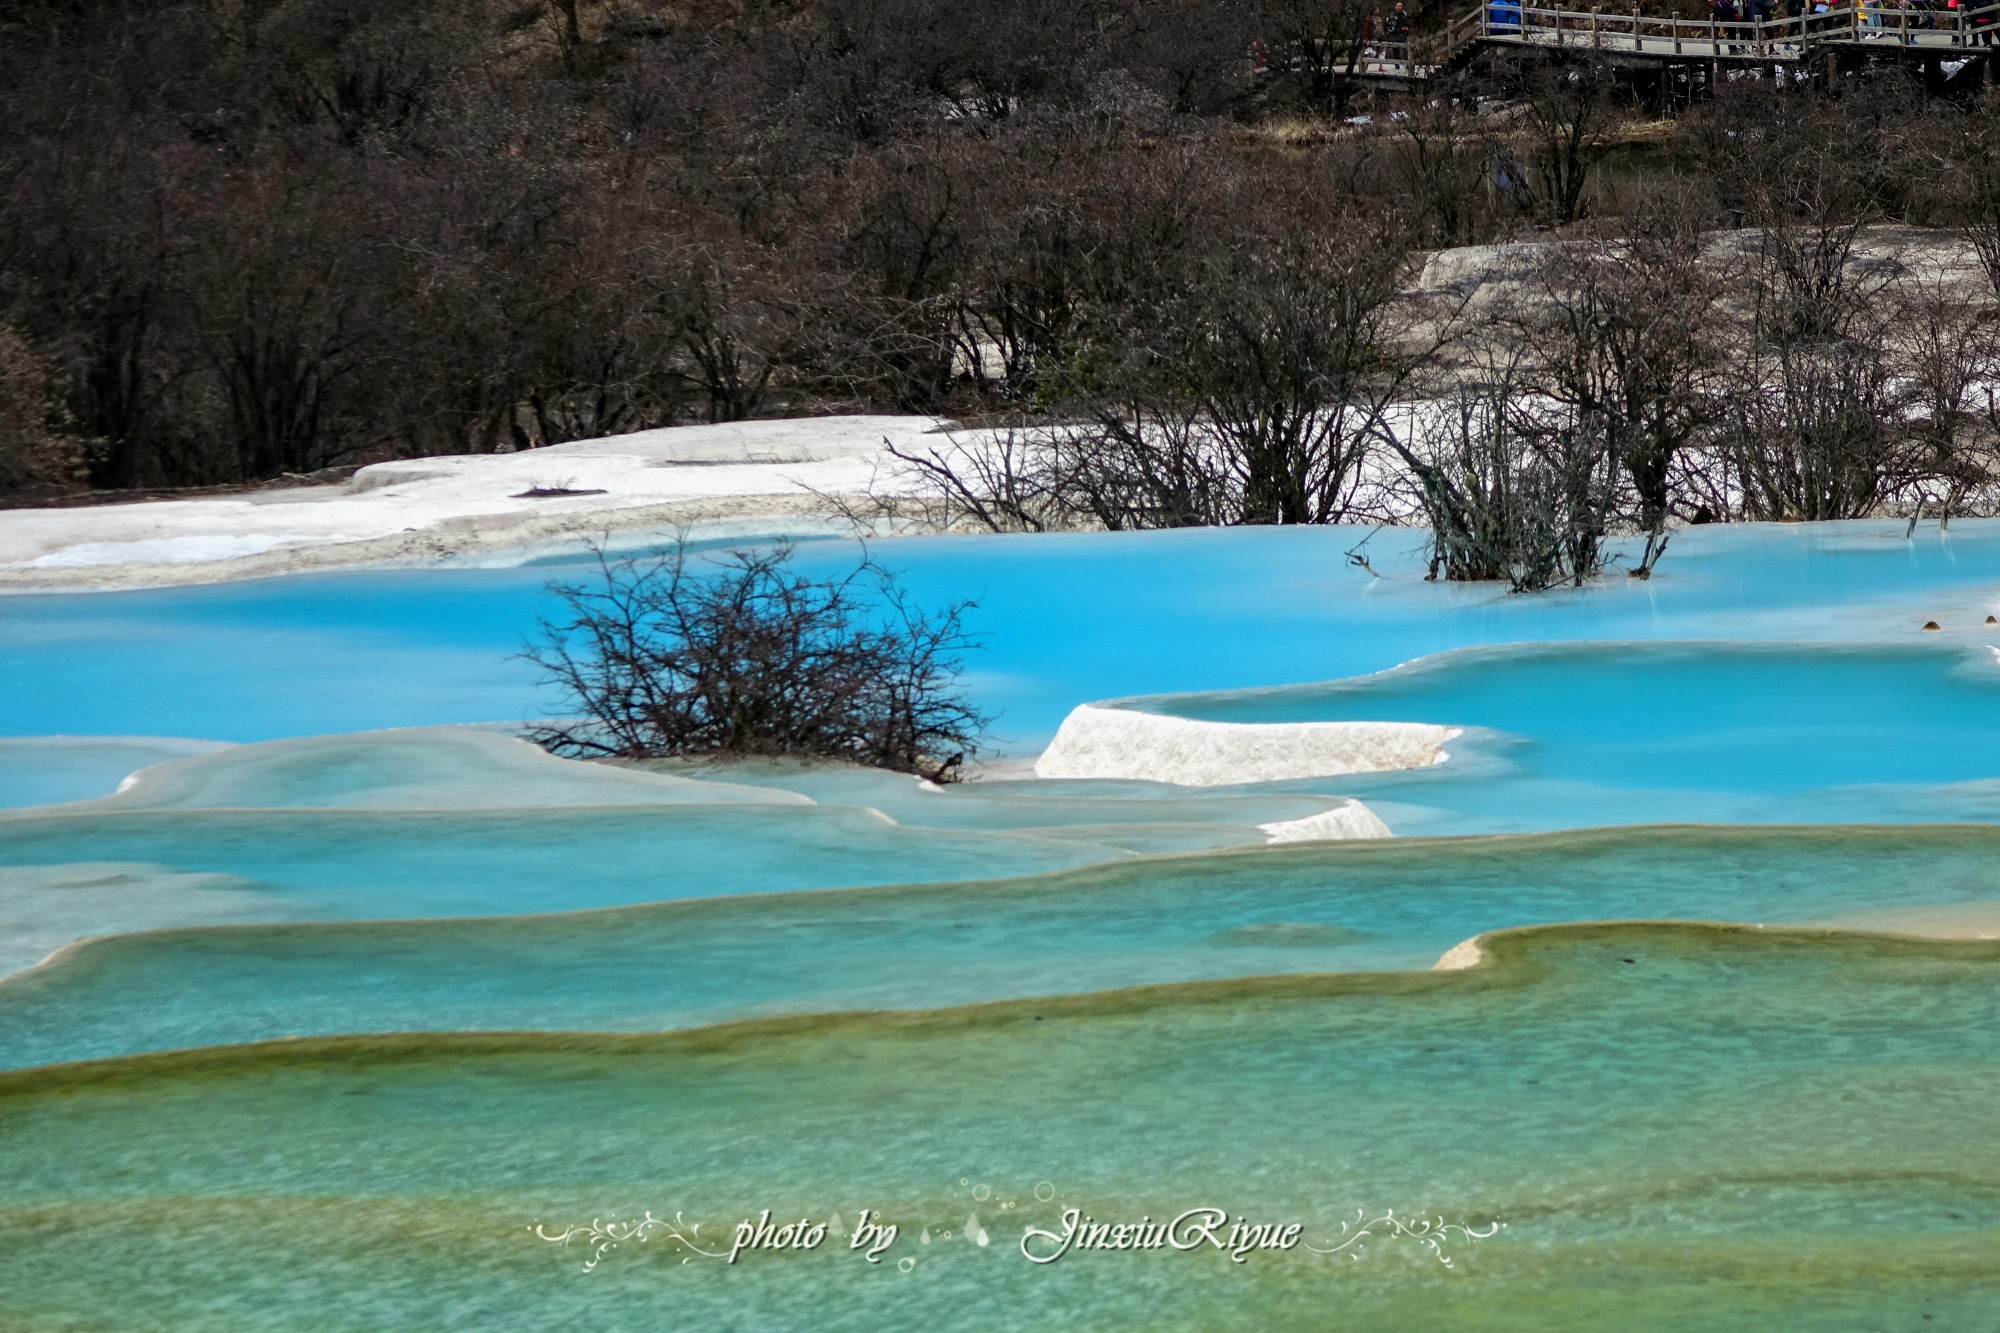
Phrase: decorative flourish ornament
(1430, 1232)
(603, 1237)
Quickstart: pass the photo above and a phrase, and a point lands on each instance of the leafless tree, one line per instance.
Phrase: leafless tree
(1948, 366)
(1563, 108)
(676, 657)
(1816, 413)
(1968, 163)
(244, 239)
(39, 445)
(1317, 44)
(1255, 394)
(1439, 153)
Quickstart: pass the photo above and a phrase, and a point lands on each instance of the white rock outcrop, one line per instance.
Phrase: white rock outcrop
(1460, 956)
(1099, 742)
(1347, 821)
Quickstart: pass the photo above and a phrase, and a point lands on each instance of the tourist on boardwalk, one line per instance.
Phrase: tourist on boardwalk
(1761, 13)
(1727, 19)
(1396, 33)
(1504, 14)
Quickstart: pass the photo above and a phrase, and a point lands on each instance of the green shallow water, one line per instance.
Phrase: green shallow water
(381, 863)
(1682, 1127)
(1325, 907)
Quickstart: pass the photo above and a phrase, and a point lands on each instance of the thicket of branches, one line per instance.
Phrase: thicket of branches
(676, 657)
(238, 241)
(1737, 340)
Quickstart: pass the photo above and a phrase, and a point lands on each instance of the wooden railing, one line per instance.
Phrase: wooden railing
(1891, 23)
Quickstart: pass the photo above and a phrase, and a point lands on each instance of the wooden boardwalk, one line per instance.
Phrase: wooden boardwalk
(1892, 30)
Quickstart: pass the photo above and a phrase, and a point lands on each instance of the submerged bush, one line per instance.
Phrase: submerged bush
(662, 658)
(1515, 489)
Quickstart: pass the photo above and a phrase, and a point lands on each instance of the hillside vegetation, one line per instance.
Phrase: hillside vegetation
(245, 240)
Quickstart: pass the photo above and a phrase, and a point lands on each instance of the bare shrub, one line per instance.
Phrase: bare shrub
(1813, 437)
(1814, 425)
(664, 658)
(1010, 480)
(1565, 107)
(34, 447)
(1253, 393)
(1948, 367)
(1625, 334)
(1514, 487)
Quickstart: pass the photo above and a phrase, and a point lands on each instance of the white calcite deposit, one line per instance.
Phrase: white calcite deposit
(44, 909)
(1099, 742)
(1348, 820)
(1460, 956)
(415, 768)
(746, 478)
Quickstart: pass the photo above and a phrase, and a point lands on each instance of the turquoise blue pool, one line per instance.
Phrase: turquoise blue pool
(1065, 619)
